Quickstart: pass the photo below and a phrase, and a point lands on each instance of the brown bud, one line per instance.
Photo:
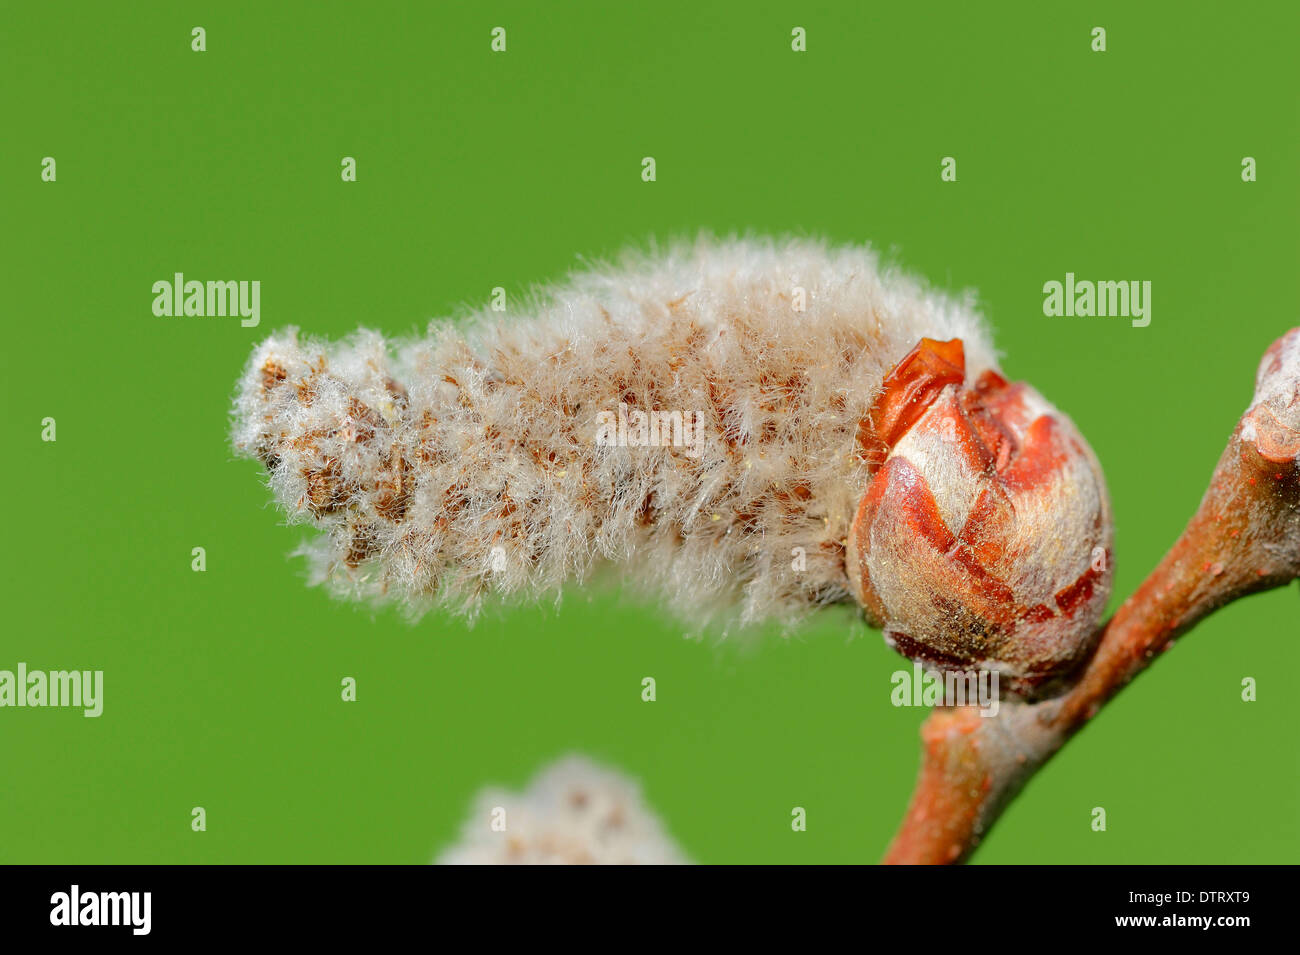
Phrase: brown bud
(984, 538)
(1272, 423)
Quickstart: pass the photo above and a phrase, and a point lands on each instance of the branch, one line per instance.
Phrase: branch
(1244, 538)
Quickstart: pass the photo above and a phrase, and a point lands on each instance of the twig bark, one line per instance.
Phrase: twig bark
(1244, 538)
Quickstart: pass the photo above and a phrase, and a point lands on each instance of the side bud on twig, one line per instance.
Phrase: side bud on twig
(1272, 423)
(984, 538)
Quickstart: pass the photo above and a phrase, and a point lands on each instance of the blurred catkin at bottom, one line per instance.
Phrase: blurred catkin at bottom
(573, 813)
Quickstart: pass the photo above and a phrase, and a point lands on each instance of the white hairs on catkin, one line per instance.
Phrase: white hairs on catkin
(573, 813)
(479, 459)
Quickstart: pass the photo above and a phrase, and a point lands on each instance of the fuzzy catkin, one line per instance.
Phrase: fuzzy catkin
(573, 813)
(467, 463)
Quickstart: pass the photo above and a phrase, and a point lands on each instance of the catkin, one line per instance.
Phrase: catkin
(574, 812)
(478, 461)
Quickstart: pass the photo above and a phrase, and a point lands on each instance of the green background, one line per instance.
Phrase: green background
(478, 169)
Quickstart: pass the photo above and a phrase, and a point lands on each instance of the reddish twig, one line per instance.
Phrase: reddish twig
(1244, 538)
